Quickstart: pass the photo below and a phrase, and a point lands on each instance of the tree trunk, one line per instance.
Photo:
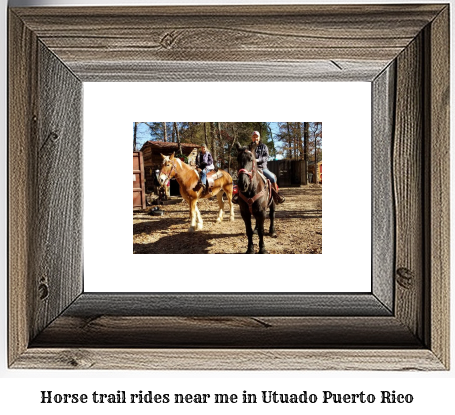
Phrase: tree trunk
(221, 145)
(289, 141)
(206, 138)
(213, 139)
(165, 132)
(296, 142)
(234, 133)
(134, 136)
(306, 133)
(178, 138)
(316, 180)
(271, 138)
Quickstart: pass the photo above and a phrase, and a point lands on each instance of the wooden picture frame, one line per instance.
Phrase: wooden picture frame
(403, 324)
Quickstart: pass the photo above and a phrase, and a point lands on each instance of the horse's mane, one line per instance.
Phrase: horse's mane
(187, 169)
(256, 180)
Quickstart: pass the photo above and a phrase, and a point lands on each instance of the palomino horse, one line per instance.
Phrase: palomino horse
(187, 178)
(255, 196)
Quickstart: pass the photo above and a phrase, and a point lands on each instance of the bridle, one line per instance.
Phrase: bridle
(253, 170)
(168, 176)
(250, 201)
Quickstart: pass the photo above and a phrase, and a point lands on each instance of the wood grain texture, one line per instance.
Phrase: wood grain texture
(330, 38)
(383, 214)
(408, 188)
(89, 305)
(21, 131)
(399, 326)
(255, 332)
(309, 71)
(235, 359)
(438, 197)
(57, 246)
(45, 187)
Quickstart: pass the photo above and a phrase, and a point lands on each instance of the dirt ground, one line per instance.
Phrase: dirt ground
(298, 224)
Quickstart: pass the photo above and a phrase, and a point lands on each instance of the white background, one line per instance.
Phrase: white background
(109, 112)
(20, 390)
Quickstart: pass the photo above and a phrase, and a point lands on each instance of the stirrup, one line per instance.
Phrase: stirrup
(278, 198)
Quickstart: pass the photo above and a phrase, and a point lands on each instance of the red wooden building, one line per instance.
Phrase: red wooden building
(138, 181)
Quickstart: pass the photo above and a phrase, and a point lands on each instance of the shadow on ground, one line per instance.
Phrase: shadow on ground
(184, 243)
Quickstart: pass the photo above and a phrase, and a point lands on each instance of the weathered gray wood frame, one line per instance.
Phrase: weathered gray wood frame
(403, 324)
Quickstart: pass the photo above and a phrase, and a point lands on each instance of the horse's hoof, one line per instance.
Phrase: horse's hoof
(199, 227)
(273, 234)
(255, 231)
(263, 251)
(231, 218)
(250, 251)
(191, 229)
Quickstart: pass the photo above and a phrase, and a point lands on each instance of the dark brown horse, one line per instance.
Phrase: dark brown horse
(255, 197)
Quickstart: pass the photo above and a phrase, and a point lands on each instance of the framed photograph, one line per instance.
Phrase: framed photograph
(401, 323)
(298, 222)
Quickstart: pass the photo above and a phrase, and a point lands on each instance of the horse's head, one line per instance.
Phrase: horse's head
(167, 169)
(247, 167)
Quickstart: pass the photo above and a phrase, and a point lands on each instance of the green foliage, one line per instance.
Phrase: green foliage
(182, 157)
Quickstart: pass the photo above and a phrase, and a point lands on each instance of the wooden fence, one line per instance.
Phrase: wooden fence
(288, 172)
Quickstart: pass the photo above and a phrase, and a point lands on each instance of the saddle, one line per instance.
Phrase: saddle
(272, 192)
(268, 184)
(212, 175)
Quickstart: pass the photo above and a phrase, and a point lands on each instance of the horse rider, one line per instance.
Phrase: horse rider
(262, 155)
(204, 162)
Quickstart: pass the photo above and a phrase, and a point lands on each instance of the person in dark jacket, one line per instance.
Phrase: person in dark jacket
(262, 155)
(204, 162)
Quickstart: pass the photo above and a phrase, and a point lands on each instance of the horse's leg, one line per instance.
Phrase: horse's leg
(246, 216)
(272, 232)
(219, 197)
(198, 219)
(260, 227)
(228, 192)
(193, 215)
